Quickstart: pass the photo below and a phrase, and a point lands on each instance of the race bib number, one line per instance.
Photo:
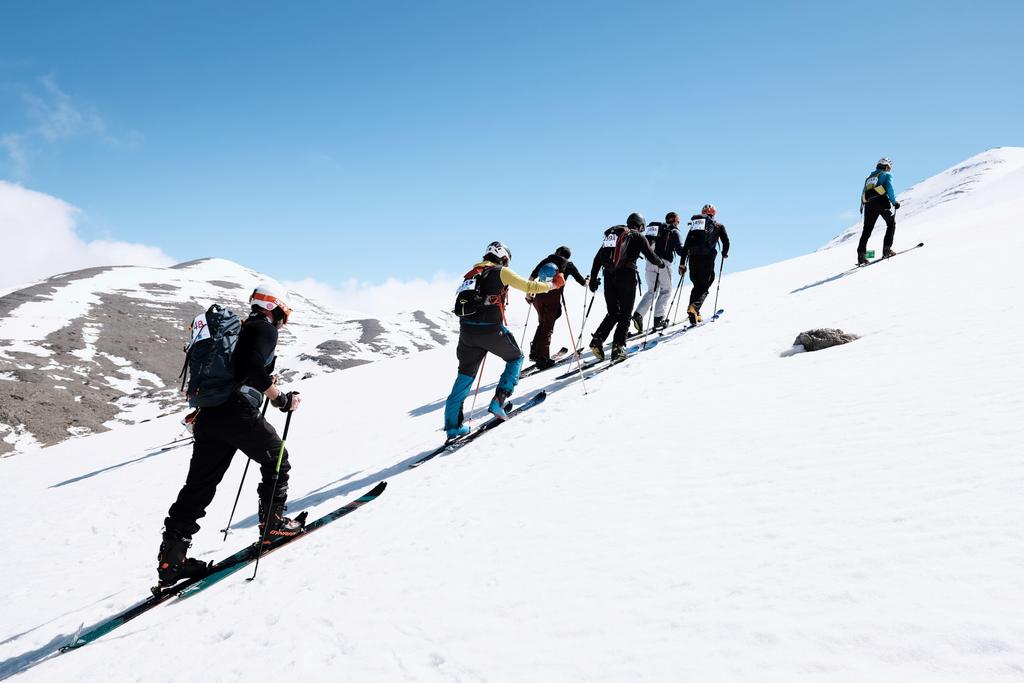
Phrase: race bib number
(651, 231)
(609, 241)
(199, 329)
(697, 224)
(467, 285)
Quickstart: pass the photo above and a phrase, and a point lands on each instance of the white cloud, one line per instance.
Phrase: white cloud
(55, 116)
(39, 238)
(382, 299)
(17, 155)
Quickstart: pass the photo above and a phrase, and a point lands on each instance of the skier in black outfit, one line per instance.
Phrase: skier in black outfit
(549, 304)
(701, 247)
(622, 246)
(235, 425)
(665, 240)
(878, 199)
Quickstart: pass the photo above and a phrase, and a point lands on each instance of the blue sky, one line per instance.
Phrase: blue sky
(336, 140)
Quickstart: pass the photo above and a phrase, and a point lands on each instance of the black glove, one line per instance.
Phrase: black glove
(283, 402)
(594, 284)
(725, 256)
(896, 205)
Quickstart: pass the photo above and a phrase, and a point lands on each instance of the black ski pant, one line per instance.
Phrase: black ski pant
(872, 210)
(549, 310)
(219, 432)
(619, 294)
(702, 274)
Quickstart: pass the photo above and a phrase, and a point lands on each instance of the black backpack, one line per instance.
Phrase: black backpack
(469, 297)
(614, 247)
(620, 254)
(208, 369)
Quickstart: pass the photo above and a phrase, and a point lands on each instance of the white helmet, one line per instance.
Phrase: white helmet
(884, 161)
(269, 299)
(499, 251)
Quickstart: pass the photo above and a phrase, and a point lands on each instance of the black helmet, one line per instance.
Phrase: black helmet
(563, 252)
(635, 222)
(671, 215)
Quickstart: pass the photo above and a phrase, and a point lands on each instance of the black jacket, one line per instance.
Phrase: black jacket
(665, 240)
(253, 358)
(702, 239)
(563, 265)
(636, 247)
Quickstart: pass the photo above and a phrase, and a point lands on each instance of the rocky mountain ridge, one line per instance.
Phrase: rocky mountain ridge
(85, 351)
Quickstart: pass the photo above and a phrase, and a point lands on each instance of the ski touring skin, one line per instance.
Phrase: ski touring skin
(456, 444)
(218, 572)
(902, 251)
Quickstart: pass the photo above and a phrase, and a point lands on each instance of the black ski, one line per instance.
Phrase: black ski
(637, 348)
(218, 572)
(902, 251)
(456, 444)
(532, 369)
(594, 363)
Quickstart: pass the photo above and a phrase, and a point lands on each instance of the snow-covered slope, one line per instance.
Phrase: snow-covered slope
(96, 348)
(990, 176)
(715, 509)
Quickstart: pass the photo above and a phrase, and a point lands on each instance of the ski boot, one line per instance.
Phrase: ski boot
(862, 260)
(660, 323)
(693, 314)
(888, 253)
(497, 405)
(638, 323)
(597, 348)
(619, 353)
(456, 432)
(543, 363)
(280, 526)
(173, 565)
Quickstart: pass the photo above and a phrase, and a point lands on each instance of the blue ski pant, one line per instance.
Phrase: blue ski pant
(475, 342)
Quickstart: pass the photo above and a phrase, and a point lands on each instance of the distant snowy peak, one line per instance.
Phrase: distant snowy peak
(84, 351)
(984, 178)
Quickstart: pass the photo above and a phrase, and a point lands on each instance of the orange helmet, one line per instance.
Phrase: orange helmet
(708, 210)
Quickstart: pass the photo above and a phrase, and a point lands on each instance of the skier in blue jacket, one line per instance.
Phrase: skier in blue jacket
(878, 199)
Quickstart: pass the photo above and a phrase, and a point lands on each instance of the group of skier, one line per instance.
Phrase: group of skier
(233, 362)
(483, 296)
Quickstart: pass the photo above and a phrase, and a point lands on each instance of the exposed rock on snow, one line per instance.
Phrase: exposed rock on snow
(816, 340)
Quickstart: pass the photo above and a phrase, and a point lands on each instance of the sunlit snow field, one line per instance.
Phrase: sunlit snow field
(717, 508)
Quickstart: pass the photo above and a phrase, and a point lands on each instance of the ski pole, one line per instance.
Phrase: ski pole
(576, 350)
(654, 304)
(593, 295)
(526, 325)
(674, 295)
(720, 269)
(679, 299)
(479, 378)
(227, 529)
(273, 493)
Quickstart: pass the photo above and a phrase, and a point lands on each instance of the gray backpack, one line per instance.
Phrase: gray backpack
(208, 370)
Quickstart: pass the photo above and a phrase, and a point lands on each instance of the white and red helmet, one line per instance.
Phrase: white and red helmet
(709, 210)
(270, 299)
